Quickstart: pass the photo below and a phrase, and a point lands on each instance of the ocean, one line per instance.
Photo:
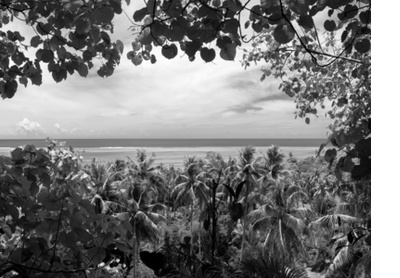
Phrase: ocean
(170, 151)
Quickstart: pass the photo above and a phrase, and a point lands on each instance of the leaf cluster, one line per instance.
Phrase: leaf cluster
(68, 35)
(49, 225)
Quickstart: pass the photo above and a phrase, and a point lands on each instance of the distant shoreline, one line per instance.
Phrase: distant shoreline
(171, 151)
(176, 156)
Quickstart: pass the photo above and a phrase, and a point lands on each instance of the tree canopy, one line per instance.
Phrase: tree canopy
(69, 34)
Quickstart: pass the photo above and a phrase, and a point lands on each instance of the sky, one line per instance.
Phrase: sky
(170, 99)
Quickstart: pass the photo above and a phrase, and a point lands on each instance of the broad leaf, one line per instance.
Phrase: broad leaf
(169, 51)
(283, 33)
(140, 14)
(228, 49)
(35, 41)
(207, 54)
(102, 14)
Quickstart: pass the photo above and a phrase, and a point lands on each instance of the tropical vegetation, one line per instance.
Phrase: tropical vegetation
(261, 215)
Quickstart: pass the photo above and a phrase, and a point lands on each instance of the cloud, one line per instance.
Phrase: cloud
(31, 128)
(170, 99)
(63, 131)
(241, 84)
(273, 97)
(243, 108)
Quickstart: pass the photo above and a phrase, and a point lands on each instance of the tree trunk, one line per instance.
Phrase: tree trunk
(281, 240)
(244, 223)
(191, 229)
(137, 255)
(214, 224)
(134, 257)
(243, 239)
(135, 250)
(200, 255)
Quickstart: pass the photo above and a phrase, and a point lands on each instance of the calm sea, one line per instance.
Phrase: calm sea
(170, 151)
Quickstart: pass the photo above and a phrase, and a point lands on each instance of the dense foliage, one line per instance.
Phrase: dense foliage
(256, 216)
(219, 218)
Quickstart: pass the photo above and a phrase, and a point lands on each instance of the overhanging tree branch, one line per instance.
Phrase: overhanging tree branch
(312, 52)
(56, 239)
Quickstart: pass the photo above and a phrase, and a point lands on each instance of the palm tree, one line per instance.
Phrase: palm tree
(271, 165)
(282, 222)
(139, 191)
(133, 196)
(106, 178)
(145, 228)
(190, 188)
(144, 218)
(215, 161)
(248, 175)
(149, 177)
(321, 197)
(229, 173)
(275, 159)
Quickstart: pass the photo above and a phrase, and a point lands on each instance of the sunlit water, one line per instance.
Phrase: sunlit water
(172, 151)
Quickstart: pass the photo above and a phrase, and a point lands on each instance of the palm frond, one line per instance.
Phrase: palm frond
(156, 217)
(263, 224)
(257, 198)
(295, 193)
(344, 207)
(276, 171)
(274, 155)
(185, 197)
(178, 188)
(201, 175)
(246, 155)
(295, 224)
(264, 178)
(263, 211)
(293, 188)
(293, 243)
(248, 168)
(269, 267)
(330, 222)
(282, 242)
(156, 207)
(303, 212)
(343, 257)
(201, 192)
(340, 242)
(145, 228)
(108, 205)
(276, 196)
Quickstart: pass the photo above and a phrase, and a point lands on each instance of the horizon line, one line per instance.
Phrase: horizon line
(168, 138)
